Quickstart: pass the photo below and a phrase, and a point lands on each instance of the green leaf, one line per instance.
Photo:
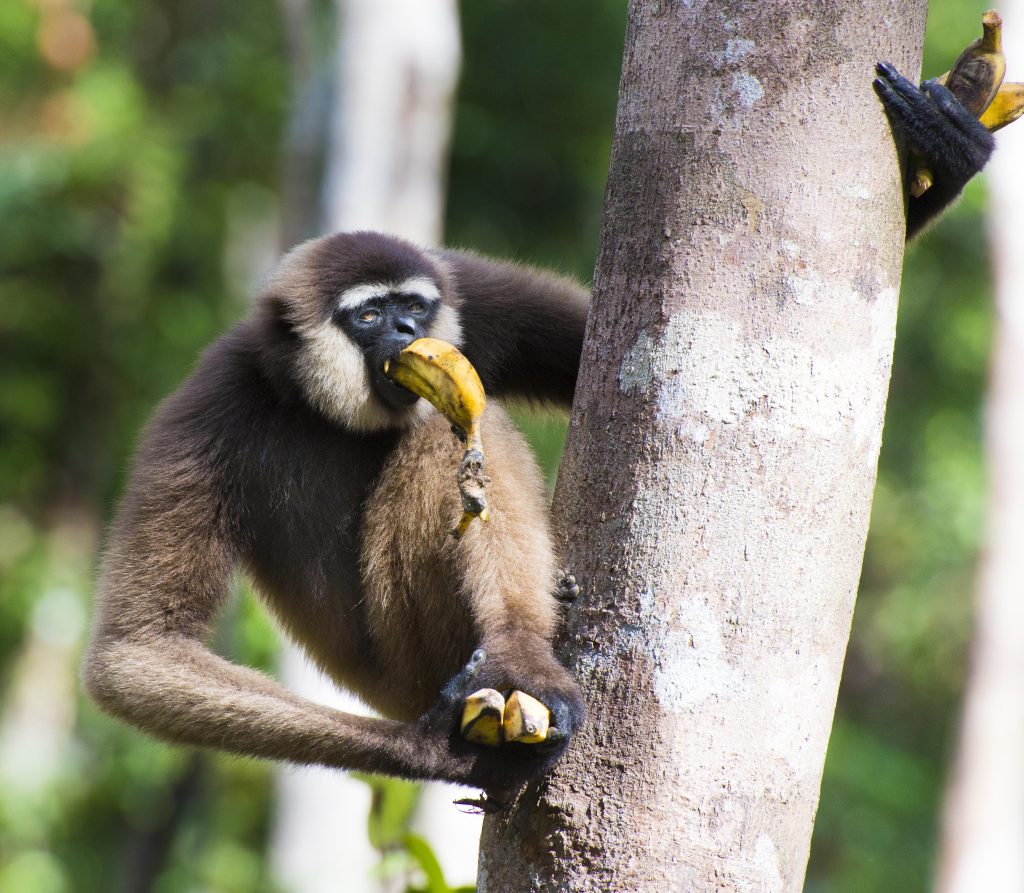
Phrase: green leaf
(420, 850)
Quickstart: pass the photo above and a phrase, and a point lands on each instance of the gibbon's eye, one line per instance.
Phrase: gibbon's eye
(417, 307)
(370, 314)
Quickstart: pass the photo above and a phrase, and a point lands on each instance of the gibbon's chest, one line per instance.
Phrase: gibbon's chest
(306, 487)
(348, 542)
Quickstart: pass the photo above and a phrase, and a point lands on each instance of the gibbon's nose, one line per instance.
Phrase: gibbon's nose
(406, 326)
(392, 343)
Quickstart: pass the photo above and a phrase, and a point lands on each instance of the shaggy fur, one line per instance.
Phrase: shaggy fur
(276, 457)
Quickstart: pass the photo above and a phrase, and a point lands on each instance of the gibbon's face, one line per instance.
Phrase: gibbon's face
(383, 320)
(347, 303)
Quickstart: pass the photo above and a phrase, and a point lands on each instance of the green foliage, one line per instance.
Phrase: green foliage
(420, 851)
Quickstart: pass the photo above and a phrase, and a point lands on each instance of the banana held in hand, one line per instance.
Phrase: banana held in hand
(526, 719)
(1006, 108)
(441, 375)
(976, 75)
(974, 80)
(482, 714)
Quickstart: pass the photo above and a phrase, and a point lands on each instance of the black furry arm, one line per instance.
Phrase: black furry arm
(954, 145)
(522, 327)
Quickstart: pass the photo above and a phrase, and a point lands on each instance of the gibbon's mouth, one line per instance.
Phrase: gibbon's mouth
(393, 395)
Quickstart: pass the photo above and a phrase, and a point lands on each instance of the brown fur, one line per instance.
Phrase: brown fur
(419, 580)
(343, 527)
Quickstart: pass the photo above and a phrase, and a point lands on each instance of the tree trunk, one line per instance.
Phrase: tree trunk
(715, 490)
(983, 832)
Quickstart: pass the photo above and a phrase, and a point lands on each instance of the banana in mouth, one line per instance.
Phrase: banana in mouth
(441, 375)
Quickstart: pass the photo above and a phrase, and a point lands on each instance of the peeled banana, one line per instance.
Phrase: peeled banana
(440, 374)
(976, 81)
(482, 716)
(489, 719)
(526, 719)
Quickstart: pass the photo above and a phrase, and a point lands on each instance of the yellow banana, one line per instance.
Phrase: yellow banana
(974, 80)
(482, 716)
(526, 719)
(440, 374)
(1006, 108)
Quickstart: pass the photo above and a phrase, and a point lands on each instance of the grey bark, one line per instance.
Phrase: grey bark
(715, 490)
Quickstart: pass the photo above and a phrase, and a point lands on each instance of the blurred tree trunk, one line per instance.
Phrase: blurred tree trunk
(983, 832)
(717, 481)
(387, 134)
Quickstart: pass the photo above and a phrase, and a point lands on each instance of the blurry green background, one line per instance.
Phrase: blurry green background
(139, 163)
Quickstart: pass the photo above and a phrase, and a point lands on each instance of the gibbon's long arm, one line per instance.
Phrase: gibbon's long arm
(523, 328)
(166, 575)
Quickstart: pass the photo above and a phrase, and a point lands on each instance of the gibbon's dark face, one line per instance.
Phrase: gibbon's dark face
(383, 320)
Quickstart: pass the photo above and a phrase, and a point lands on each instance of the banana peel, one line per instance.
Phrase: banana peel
(1006, 108)
(976, 80)
(977, 73)
(440, 374)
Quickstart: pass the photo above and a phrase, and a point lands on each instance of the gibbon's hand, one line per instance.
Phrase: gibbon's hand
(935, 123)
(501, 770)
(953, 143)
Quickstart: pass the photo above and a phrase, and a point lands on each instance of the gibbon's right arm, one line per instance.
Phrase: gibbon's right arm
(165, 577)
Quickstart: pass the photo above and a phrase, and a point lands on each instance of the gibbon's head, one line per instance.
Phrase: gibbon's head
(337, 307)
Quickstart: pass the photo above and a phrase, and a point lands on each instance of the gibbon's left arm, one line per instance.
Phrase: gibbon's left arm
(522, 328)
(952, 142)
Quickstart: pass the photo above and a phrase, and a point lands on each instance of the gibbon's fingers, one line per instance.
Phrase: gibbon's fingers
(568, 589)
(947, 138)
(439, 718)
(915, 114)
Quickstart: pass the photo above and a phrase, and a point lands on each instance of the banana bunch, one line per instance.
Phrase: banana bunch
(976, 80)
(441, 375)
(487, 718)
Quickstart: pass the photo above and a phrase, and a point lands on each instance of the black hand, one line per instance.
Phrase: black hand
(952, 143)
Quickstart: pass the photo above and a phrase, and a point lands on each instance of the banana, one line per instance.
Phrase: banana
(482, 715)
(975, 81)
(976, 75)
(1006, 108)
(526, 719)
(440, 374)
